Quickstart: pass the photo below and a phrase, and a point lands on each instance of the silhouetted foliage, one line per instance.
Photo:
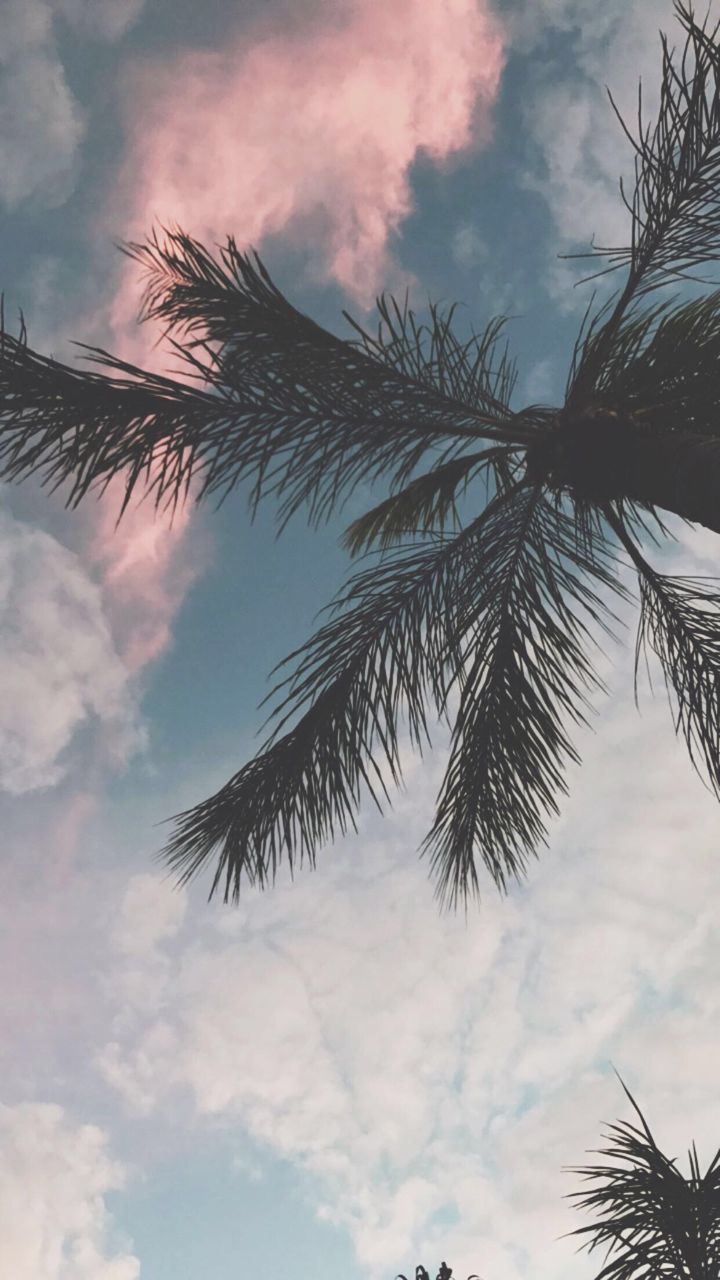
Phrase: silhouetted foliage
(494, 618)
(653, 1222)
(444, 1273)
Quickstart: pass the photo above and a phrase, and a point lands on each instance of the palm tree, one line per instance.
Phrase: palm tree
(495, 615)
(657, 1224)
(444, 1273)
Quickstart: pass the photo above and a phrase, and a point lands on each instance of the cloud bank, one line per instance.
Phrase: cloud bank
(432, 1078)
(53, 1179)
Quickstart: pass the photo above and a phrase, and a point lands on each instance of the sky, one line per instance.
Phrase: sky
(331, 1077)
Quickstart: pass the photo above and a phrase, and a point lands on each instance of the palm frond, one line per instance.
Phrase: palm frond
(72, 427)
(397, 639)
(664, 367)
(679, 621)
(444, 1273)
(427, 504)
(476, 371)
(300, 412)
(675, 205)
(230, 305)
(407, 630)
(529, 675)
(654, 1221)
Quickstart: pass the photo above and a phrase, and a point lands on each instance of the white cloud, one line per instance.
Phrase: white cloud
(151, 912)
(417, 1066)
(581, 151)
(53, 1179)
(58, 667)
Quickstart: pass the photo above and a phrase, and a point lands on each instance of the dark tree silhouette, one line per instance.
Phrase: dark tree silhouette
(444, 1273)
(497, 614)
(654, 1223)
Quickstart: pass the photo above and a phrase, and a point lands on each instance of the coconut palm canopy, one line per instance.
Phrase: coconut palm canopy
(651, 1220)
(489, 624)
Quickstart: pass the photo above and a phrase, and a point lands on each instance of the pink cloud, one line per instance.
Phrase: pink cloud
(68, 824)
(144, 576)
(311, 133)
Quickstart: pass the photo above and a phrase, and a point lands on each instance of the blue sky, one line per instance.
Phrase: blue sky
(331, 1077)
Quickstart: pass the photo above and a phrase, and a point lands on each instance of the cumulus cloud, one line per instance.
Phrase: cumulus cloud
(59, 669)
(431, 1075)
(53, 1179)
(313, 132)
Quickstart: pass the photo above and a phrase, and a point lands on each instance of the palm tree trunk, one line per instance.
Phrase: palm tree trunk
(673, 471)
(602, 454)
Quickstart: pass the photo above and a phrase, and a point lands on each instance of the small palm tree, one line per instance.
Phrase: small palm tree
(496, 614)
(657, 1224)
(444, 1273)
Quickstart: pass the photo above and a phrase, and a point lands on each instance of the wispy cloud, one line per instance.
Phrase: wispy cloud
(104, 19)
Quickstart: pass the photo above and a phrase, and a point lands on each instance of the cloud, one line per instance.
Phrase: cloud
(53, 1179)
(150, 913)
(539, 382)
(432, 1076)
(313, 132)
(59, 669)
(41, 124)
(104, 19)
(146, 572)
(580, 151)
(468, 248)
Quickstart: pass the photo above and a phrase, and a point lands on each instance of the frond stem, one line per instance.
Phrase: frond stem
(620, 531)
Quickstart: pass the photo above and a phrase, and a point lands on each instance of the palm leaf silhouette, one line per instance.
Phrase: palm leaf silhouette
(653, 1222)
(496, 617)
